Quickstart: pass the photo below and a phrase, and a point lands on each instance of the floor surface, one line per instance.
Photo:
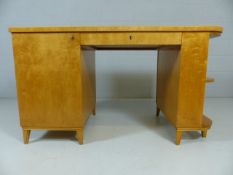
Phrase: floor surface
(123, 138)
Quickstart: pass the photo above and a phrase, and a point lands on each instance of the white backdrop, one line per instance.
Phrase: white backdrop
(123, 74)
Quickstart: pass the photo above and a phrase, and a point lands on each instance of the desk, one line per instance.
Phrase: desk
(55, 73)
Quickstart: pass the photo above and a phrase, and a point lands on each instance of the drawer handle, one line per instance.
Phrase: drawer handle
(130, 37)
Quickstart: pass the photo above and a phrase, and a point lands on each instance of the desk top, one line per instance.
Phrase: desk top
(211, 29)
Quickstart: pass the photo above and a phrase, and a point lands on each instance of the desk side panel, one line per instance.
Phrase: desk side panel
(193, 67)
(88, 81)
(48, 79)
(168, 82)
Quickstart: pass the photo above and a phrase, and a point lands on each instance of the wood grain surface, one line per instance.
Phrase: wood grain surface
(55, 73)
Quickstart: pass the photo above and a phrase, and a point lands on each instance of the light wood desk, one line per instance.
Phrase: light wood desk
(55, 73)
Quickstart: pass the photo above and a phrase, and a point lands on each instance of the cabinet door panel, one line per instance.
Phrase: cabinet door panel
(48, 79)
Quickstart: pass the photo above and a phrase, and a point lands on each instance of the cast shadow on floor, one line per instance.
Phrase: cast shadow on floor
(36, 136)
(114, 119)
(121, 118)
(140, 113)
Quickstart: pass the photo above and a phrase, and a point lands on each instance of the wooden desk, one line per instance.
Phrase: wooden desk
(55, 73)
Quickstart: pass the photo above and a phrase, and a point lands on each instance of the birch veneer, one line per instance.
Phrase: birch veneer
(55, 73)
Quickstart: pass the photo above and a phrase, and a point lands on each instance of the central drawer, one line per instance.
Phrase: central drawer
(131, 38)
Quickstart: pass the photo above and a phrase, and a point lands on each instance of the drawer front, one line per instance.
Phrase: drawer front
(131, 38)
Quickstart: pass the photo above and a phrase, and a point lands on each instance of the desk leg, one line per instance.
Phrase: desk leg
(26, 135)
(178, 137)
(79, 135)
(204, 133)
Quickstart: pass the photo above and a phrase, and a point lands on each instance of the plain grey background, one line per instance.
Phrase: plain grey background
(123, 74)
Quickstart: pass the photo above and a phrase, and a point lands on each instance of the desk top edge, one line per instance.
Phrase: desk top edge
(217, 29)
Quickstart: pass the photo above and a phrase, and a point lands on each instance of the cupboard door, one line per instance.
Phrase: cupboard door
(48, 79)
